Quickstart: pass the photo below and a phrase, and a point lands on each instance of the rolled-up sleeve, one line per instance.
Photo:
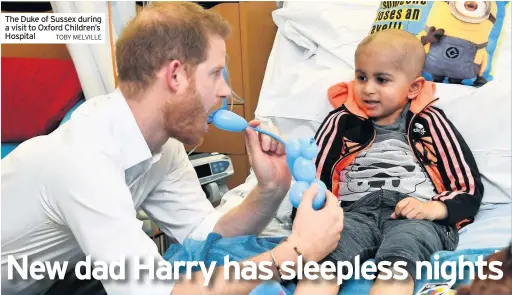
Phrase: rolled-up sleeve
(97, 206)
(178, 204)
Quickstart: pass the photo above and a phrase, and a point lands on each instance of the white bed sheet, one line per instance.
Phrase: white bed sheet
(492, 228)
(298, 74)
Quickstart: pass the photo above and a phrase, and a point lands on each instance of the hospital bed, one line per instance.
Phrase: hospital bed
(314, 49)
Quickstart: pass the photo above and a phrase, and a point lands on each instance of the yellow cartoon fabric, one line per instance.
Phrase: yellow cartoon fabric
(460, 37)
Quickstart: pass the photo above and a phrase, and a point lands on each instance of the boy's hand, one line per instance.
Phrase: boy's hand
(412, 208)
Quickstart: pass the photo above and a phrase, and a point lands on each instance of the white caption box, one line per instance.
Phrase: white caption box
(54, 28)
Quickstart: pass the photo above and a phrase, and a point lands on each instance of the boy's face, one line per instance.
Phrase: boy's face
(382, 89)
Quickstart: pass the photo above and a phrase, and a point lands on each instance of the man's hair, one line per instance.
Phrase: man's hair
(410, 53)
(163, 32)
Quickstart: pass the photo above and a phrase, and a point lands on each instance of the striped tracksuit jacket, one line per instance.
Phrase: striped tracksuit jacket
(434, 140)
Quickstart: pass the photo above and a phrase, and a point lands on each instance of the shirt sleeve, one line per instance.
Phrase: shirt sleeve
(178, 204)
(92, 199)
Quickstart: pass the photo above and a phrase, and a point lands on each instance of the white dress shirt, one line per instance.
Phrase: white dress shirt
(77, 190)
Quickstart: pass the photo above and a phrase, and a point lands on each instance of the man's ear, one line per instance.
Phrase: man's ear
(416, 87)
(175, 75)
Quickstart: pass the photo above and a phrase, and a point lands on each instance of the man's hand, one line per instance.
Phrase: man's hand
(412, 208)
(268, 159)
(316, 233)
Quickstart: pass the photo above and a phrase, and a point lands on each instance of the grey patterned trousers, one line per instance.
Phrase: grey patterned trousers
(370, 232)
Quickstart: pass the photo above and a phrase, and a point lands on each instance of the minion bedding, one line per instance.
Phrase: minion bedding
(468, 56)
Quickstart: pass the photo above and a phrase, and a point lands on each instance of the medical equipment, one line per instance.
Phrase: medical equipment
(213, 171)
(299, 156)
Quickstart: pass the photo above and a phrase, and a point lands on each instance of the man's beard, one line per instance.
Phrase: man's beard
(185, 117)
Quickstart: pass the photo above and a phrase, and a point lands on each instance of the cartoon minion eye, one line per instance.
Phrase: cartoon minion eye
(471, 11)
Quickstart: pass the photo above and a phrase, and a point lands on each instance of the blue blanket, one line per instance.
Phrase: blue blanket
(215, 248)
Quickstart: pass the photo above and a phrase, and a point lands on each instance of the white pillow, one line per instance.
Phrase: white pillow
(300, 93)
(313, 49)
(483, 117)
(336, 27)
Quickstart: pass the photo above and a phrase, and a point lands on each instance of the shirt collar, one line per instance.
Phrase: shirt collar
(127, 134)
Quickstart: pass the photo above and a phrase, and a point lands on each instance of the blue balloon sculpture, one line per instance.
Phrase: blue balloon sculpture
(299, 156)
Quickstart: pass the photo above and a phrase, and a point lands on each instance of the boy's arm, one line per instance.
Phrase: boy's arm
(462, 204)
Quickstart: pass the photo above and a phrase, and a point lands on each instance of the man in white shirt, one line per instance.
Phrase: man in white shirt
(76, 191)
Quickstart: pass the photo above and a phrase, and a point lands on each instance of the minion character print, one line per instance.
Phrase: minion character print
(455, 37)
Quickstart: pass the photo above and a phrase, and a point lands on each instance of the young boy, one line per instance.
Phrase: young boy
(403, 173)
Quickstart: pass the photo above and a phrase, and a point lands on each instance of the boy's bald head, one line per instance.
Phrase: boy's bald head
(408, 51)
